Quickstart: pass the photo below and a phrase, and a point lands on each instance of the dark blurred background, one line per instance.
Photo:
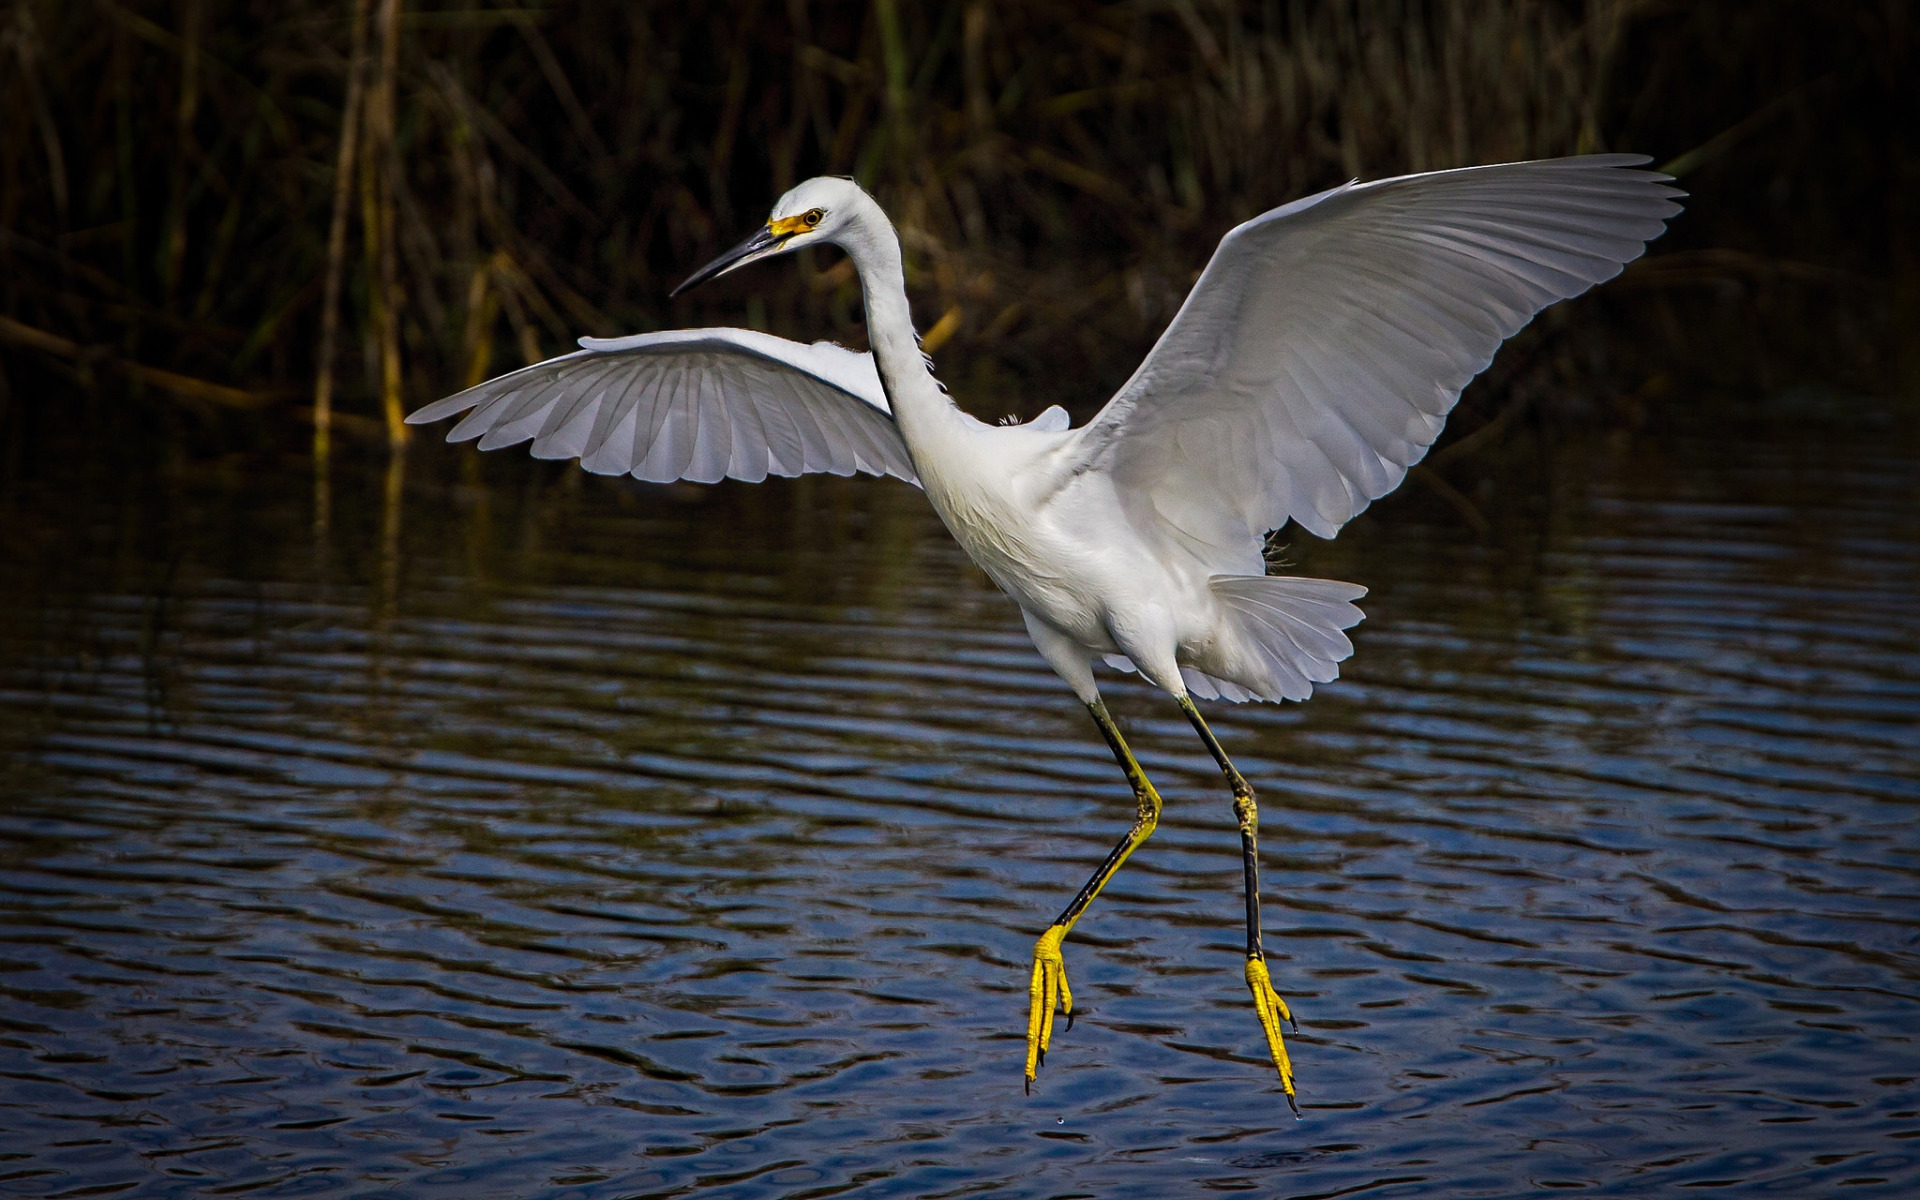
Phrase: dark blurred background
(464, 824)
(219, 216)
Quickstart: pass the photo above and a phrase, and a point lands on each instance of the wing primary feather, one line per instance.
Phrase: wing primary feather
(596, 419)
(521, 419)
(566, 380)
(1351, 417)
(786, 450)
(567, 407)
(1508, 255)
(815, 440)
(461, 401)
(748, 457)
(841, 458)
(608, 416)
(670, 454)
(608, 458)
(713, 430)
(563, 434)
(483, 417)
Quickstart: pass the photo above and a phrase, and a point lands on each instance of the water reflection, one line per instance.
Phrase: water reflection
(564, 838)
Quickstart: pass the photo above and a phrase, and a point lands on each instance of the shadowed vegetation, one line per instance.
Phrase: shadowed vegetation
(358, 205)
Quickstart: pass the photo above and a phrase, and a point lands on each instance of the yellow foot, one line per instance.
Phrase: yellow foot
(1273, 1010)
(1049, 988)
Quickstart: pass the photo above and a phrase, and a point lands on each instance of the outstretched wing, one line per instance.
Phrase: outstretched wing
(696, 404)
(1320, 352)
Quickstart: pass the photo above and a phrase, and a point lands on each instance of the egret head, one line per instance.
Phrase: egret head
(811, 213)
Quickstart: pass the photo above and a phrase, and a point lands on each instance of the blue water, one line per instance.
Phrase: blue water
(538, 835)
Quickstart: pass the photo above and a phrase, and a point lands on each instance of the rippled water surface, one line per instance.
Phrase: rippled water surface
(545, 836)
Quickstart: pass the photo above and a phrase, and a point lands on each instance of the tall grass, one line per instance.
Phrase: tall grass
(332, 209)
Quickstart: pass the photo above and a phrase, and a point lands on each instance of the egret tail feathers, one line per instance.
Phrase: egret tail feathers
(1291, 632)
(1284, 634)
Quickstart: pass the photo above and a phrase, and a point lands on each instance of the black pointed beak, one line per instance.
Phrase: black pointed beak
(759, 240)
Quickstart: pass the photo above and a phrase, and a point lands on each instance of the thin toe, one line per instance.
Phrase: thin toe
(1046, 994)
(1272, 1011)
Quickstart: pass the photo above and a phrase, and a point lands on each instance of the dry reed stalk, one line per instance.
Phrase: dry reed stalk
(184, 386)
(23, 39)
(174, 241)
(350, 122)
(1059, 168)
(483, 305)
(511, 286)
(383, 166)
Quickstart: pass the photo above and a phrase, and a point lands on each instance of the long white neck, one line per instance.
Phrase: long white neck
(921, 408)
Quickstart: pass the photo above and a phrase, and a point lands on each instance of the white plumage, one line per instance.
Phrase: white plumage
(1313, 363)
(698, 404)
(1327, 340)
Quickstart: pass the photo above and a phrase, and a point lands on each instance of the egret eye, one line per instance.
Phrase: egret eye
(812, 216)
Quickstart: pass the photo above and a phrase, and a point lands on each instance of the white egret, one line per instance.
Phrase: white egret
(1313, 363)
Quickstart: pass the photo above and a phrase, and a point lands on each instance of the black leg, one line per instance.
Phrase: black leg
(1049, 990)
(1246, 811)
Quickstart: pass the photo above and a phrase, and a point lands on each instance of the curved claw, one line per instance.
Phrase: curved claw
(1272, 1010)
(1047, 991)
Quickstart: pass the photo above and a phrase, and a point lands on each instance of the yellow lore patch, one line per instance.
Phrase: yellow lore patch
(786, 227)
